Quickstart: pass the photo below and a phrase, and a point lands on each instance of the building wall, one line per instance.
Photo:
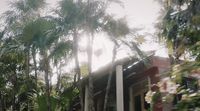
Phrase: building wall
(163, 64)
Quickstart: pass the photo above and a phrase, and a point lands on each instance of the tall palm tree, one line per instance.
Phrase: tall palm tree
(97, 20)
(72, 15)
(42, 34)
(115, 29)
(90, 17)
(71, 20)
(94, 14)
(15, 19)
(22, 12)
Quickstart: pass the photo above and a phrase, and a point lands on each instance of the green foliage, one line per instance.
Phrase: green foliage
(195, 50)
(181, 25)
(189, 100)
(191, 103)
(116, 28)
(13, 81)
(67, 97)
(180, 29)
(26, 32)
(26, 6)
(156, 97)
(41, 100)
(62, 49)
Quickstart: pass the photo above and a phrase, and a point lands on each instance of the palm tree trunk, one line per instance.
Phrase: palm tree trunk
(14, 82)
(77, 68)
(91, 84)
(35, 66)
(27, 62)
(75, 49)
(46, 70)
(109, 79)
(58, 77)
(2, 108)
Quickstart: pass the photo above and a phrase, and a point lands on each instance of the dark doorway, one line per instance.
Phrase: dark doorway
(138, 105)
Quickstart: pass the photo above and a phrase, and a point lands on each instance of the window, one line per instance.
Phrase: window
(139, 103)
(190, 83)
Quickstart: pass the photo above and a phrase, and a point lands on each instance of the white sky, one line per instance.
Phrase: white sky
(3, 5)
(142, 14)
(138, 12)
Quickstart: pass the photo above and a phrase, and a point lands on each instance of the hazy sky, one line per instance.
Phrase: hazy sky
(140, 13)
(3, 6)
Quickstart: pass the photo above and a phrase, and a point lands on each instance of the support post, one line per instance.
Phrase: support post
(149, 83)
(119, 88)
(86, 105)
(131, 99)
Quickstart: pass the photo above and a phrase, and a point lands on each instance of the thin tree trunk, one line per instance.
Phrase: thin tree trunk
(1, 101)
(58, 77)
(27, 70)
(35, 66)
(109, 78)
(27, 62)
(13, 102)
(77, 68)
(2, 107)
(14, 82)
(91, 106)
(46, 70)
(91, 84)
(76, 60)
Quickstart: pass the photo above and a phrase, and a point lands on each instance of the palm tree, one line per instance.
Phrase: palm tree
(71, 20)
(89, 17)
(45, 38)
(22, 12)
(95, 12)
(12, 71)
(97, 20)
(73, 16)
(115, 29)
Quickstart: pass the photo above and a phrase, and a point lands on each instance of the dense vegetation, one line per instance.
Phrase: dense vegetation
(179, 29)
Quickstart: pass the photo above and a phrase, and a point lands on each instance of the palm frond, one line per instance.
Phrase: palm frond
(27, 6)
(9, 17)
(116, 28)
(62, 49)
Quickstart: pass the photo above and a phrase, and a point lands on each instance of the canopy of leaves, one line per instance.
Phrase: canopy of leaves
(181, 25)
